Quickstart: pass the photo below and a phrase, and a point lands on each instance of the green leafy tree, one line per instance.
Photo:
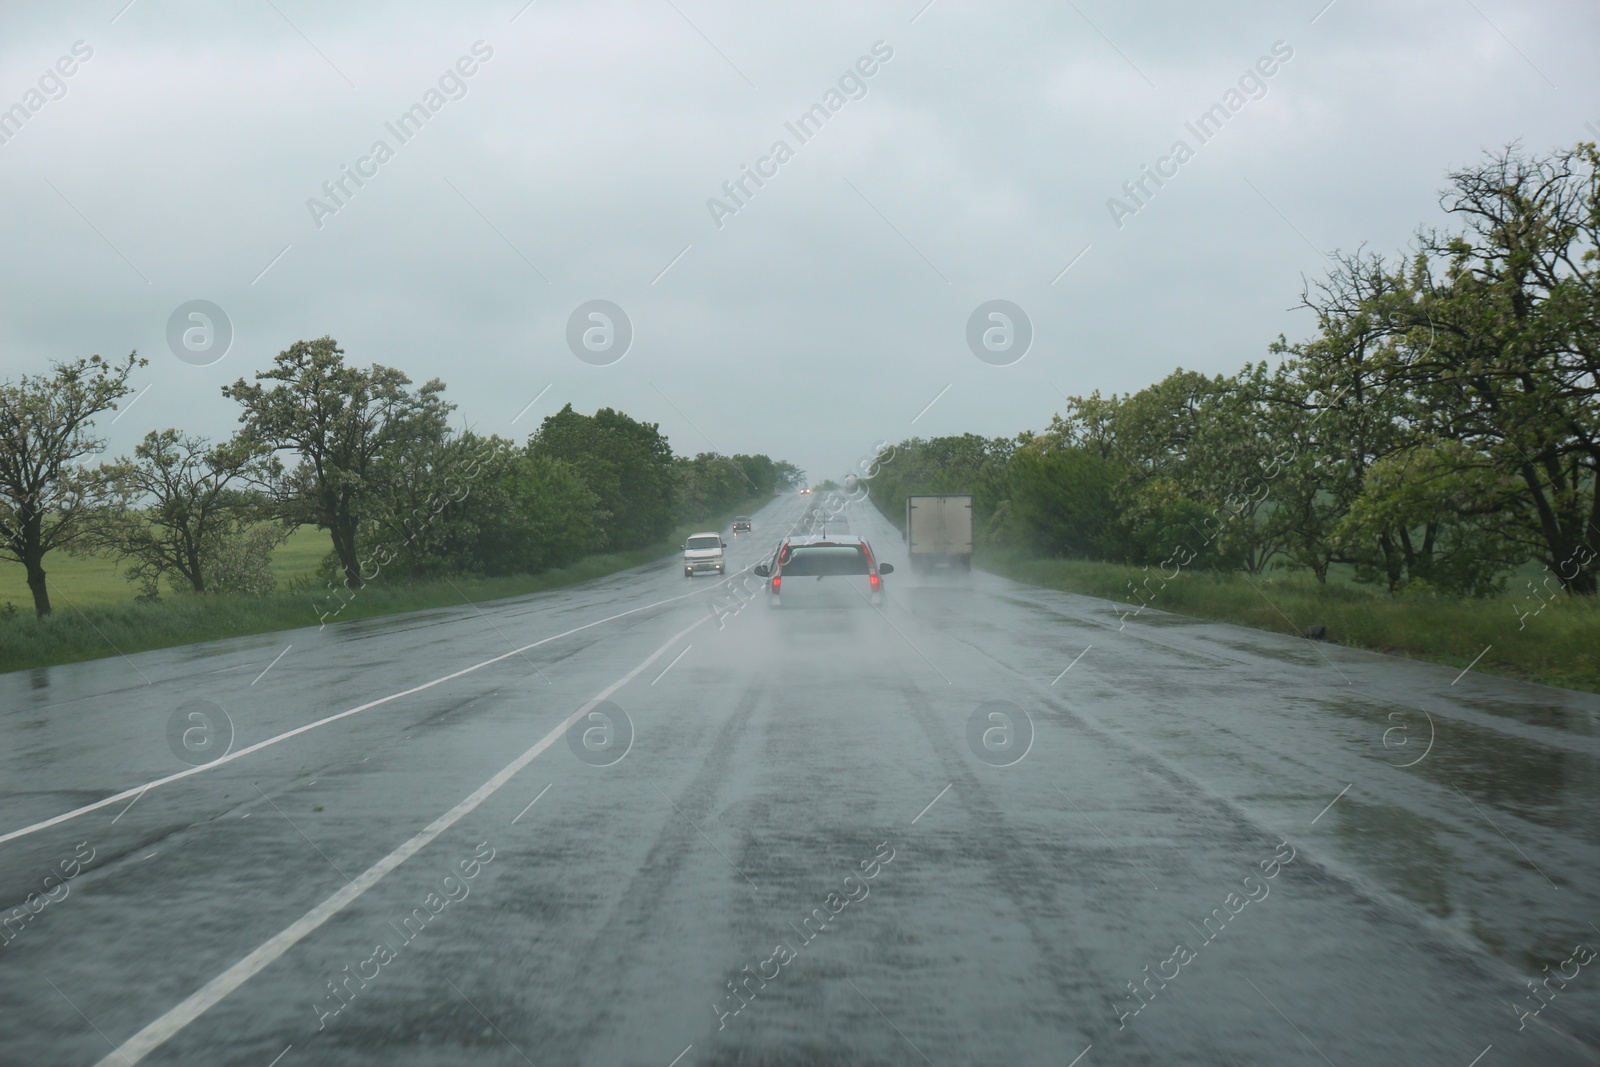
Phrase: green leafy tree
(704, 485)
(1444, 503)
(347, 425)
(1067, 499)
(627, 465)
(1515, 370)
(1490, 338)
(758, 475)
(786, 475)
(1351, 404)
(482, 505)
(965, 463)
(47, 498)
(1189, 460)
(190, 503)
(419, 521)
(532, 513)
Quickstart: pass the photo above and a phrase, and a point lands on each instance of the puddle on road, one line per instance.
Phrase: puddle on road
(1535, 782)
(1584, 721)
(1300, 654)
(1540, 783)
(1401, 848)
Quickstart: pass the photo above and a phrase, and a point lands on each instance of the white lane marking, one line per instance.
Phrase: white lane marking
(1479, 1056)
(297, 731)
(273, 664)
(681, 1055)
(207, 996)
(1331, 803)
(280, 1056)
(531, 803)
(673, 664)
(932, 802)
(1085, 1052)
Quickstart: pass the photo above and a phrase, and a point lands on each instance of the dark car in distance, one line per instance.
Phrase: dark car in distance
(741, 522)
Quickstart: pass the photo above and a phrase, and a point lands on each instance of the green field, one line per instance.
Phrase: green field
(96, 614)
(97, 581)
(1559, 645)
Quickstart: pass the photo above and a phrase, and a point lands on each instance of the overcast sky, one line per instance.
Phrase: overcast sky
(820, 312)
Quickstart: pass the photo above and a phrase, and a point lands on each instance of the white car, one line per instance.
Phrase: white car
(702, 554)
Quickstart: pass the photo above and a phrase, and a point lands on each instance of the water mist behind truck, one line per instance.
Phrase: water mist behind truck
(938, 532)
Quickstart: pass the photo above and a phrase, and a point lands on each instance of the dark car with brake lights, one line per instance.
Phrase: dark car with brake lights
(824, 571)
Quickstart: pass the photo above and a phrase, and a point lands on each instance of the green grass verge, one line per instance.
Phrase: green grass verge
(1558, 646)
(94, 629)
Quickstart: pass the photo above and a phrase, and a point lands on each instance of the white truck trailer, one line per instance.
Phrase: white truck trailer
(938, 532)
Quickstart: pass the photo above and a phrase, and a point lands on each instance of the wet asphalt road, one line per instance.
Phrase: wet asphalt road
(807, 854)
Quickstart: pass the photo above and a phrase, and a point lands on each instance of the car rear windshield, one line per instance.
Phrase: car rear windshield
(705, 542)
(825, 559)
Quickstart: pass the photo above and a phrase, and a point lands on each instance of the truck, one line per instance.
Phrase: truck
(938, 532)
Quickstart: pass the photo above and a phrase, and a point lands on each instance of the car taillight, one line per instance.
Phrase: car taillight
(874, 580)
(776, 582)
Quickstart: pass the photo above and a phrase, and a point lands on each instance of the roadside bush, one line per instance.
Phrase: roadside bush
(243, 563)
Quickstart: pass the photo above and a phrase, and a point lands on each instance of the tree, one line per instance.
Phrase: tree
(348, 426)
(1201, 469)
(758, 475)
(1445, 504)
(787, 476)
(1353, 406)
(1516, 365)
(1491, 339)
(416, 521)
(46, 497)
(195, 508)
(549, 518)
(967, 463)
(481, 505)
(627, 464)
(1066, 497)
(1191, 464)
